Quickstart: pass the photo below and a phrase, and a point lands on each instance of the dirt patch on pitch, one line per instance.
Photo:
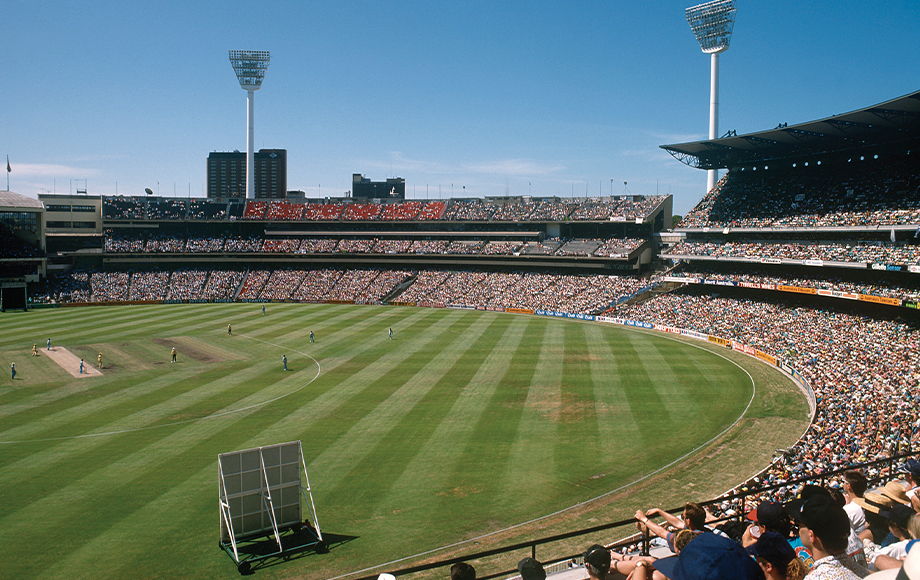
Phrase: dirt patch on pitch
(70, 362)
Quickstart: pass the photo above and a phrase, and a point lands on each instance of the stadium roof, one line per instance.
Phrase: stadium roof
(10, 201)
(889, 123)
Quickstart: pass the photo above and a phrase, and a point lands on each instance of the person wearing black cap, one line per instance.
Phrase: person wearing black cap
(769, 517)
(776, 557)
(531, 569)
(462, 571)
(597, 562)
(824, 529)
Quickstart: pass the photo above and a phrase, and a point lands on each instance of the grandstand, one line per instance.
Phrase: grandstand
(806, 256)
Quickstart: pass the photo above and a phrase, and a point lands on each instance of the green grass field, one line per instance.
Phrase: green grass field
(464, 424)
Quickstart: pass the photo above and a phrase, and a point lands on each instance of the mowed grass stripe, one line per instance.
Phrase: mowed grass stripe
(462, 397)
(398, 492)
(655, 369)
(492, 404)
(374, 414)
(577, 422)
(616, 425)
(524, 413)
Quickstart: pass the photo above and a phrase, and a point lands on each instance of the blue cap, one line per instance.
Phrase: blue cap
(711, 557)
(773, 548)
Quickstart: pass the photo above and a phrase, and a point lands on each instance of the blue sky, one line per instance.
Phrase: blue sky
(541, 98)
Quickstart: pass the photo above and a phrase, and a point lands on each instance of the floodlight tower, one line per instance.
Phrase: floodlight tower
(250, 68)
(712, 24)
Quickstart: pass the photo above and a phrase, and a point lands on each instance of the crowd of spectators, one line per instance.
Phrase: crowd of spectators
(317, 284)
(186, 284)
(405, 211)
(254, 283)
(514, 212)
(317, 246)
(284, 211)
(864, 372)
(109, 286)
(508, 210)
(322, 211)
(585, 294)
(863, 252)
(255, 210)
(501, 248)
(833, 284)
(148, 285)
(360, 211)
(428, 247)
(222, 284)
(120, 242)
(159, 208)
(281, 245)
(617, 248)
(243, 244)
(873, 192)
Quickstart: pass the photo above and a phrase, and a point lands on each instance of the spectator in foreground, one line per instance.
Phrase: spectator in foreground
(899, 518)
(531, 569)
(597, 562)
(462, 571)
(709, 557)
(769, 517)
(824, 529)
(909, 570)
(776, 557)
(626, 565)
(854, 486)
(872, 504)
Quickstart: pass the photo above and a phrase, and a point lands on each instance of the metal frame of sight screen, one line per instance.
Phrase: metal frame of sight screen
(262, 492)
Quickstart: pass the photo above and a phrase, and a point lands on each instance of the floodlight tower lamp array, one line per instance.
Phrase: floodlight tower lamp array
(712, 24)
(250, 67)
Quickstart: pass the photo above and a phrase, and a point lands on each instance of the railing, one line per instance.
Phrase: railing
(635, 540)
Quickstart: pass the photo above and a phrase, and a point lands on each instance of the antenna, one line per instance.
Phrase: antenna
(712, 24)
(250, 67)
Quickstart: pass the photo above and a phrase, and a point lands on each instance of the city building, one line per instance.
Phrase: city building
(227, 174)
(392, 188)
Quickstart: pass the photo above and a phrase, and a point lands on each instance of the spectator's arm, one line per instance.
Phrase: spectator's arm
(646, 524)
(883, 562)
(672, 520)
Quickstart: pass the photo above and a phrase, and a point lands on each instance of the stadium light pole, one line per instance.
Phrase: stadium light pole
(712, 24)
(250, 66)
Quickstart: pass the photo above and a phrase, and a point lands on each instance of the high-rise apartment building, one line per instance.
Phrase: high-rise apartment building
(227, 174)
